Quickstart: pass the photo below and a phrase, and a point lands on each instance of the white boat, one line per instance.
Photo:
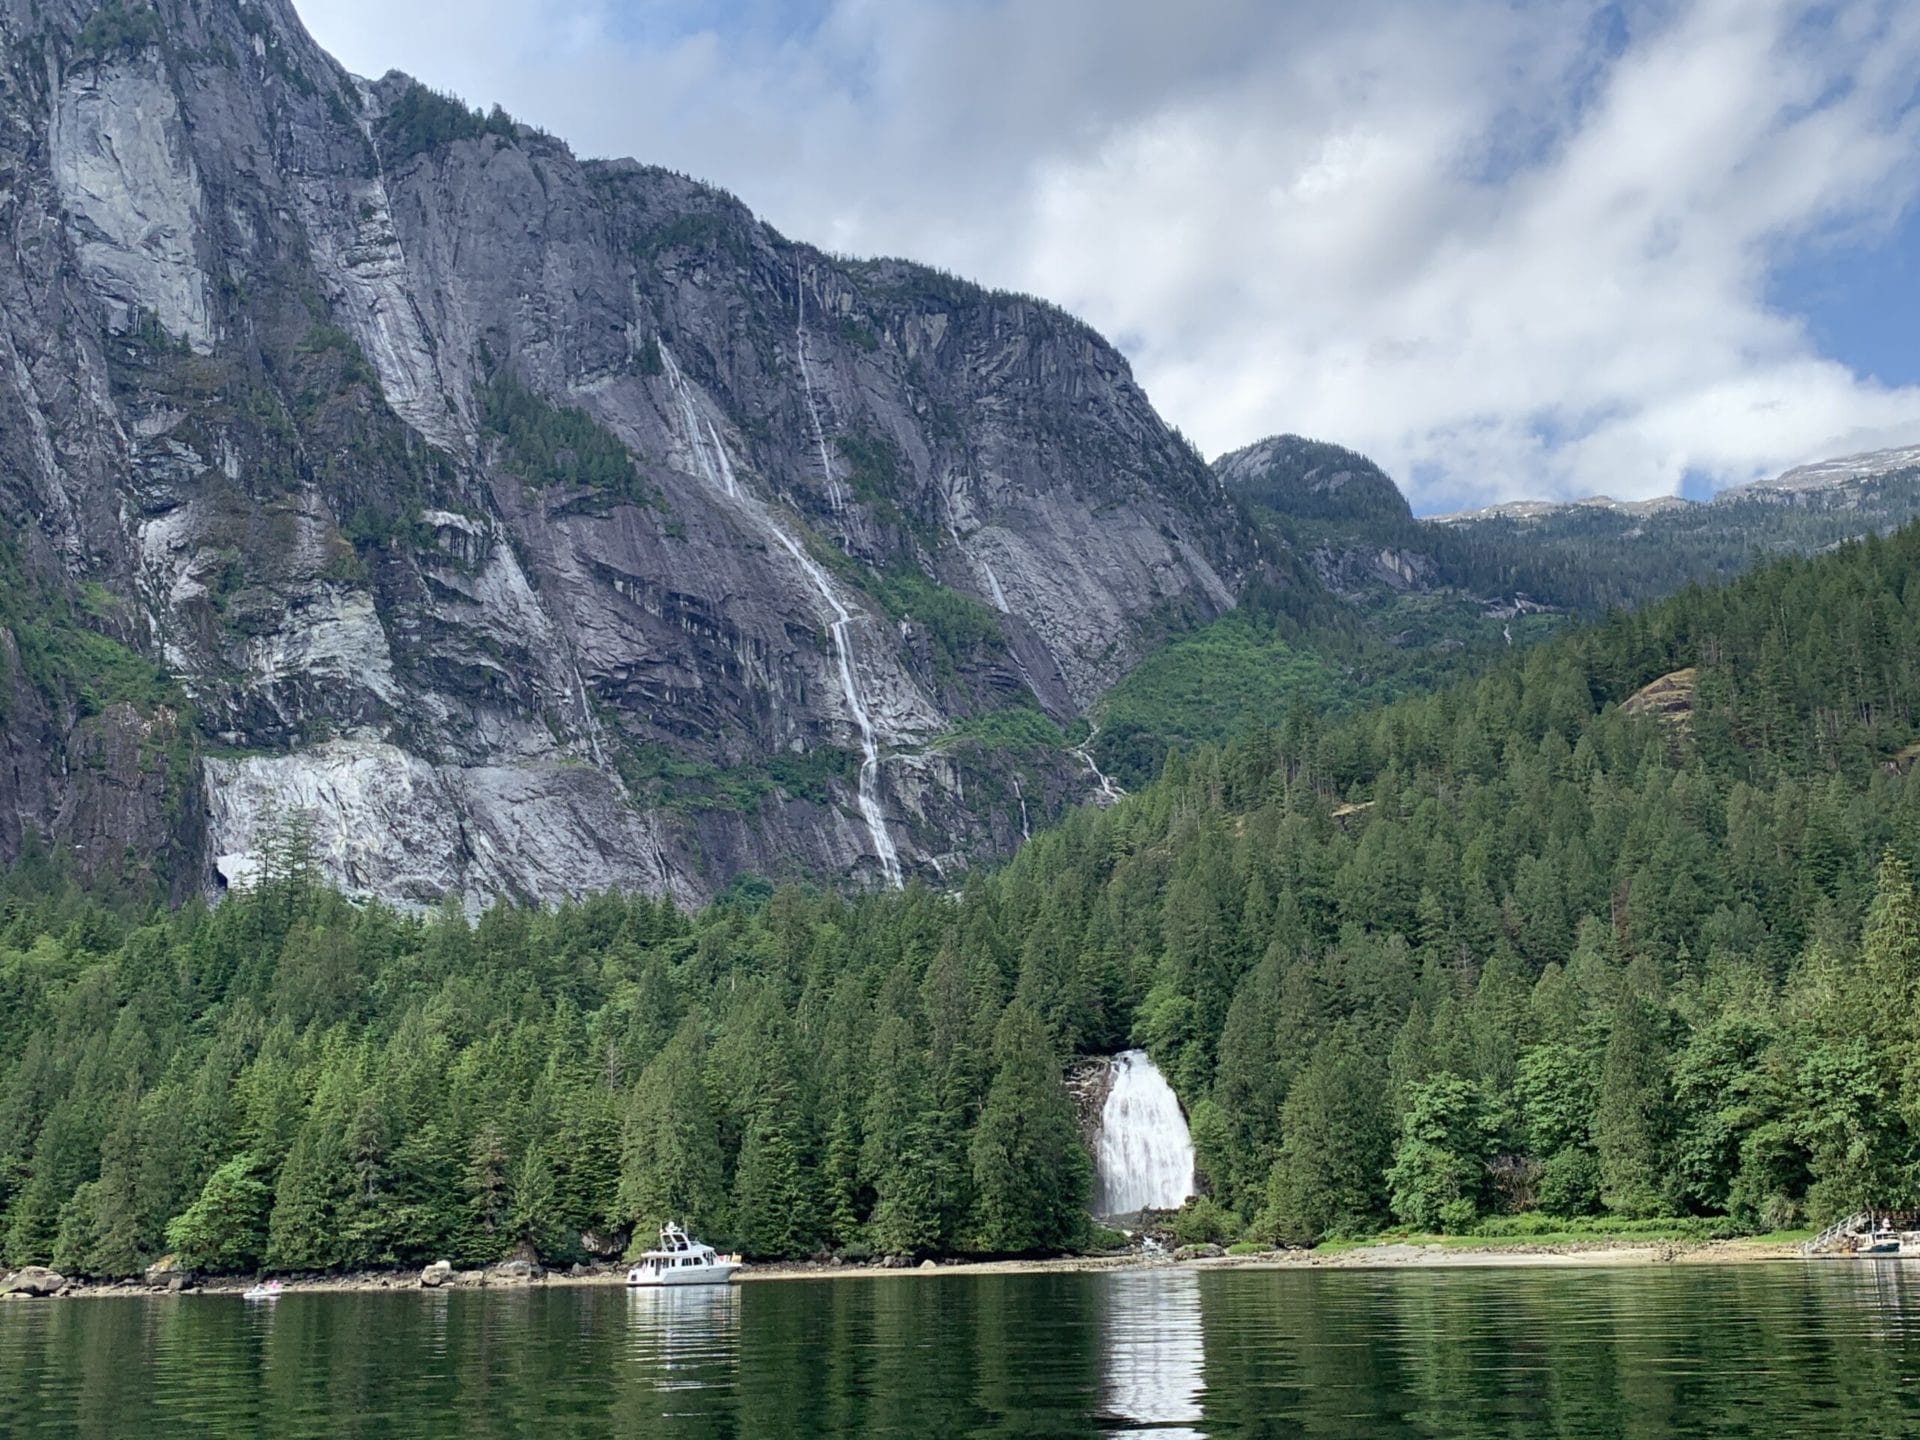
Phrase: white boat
(681, 1260)
(269, 1291)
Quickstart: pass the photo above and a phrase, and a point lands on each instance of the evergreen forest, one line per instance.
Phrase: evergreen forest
(1507, 950)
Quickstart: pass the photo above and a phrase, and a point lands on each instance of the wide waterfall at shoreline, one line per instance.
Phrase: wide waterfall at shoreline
(1144, 1160)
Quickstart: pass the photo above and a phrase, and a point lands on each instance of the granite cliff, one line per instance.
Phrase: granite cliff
(531, 524)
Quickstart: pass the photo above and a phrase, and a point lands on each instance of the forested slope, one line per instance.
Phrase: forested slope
(1504, 947)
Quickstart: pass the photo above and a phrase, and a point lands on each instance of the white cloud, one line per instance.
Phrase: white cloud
(1507, 248)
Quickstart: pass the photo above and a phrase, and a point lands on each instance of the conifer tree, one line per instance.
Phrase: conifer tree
(1031, 1171)
(670, 1165)
(1630, 1125)
(1329, 1175)
(225, 1229)
(840, 1184)
(774, 1211)
(901, 1160)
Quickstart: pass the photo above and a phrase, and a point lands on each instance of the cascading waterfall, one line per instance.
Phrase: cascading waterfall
(716, 466)
(1109, 792)
(986, 570)
(1144, 1160)
(835, 496)
(690, 422)
(1106, 791)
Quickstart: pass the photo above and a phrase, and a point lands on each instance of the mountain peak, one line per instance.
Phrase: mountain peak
(1824, 474)
(1311, 479)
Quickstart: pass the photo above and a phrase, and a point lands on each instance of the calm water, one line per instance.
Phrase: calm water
(1774, 1351)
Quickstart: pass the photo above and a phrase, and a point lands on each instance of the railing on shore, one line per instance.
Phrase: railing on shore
(1859, 1223)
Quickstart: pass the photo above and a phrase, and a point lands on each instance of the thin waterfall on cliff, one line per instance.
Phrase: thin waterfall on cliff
(835, 496)
(1144, 1160)
(716, 467)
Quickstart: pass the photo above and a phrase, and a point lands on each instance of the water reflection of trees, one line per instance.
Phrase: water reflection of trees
(920, 1356)
(1666, 1351)
(1635, 1353)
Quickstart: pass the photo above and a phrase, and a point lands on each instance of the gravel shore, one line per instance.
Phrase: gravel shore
(1382, 1256)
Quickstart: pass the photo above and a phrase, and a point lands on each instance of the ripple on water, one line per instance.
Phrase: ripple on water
(1677, 1351)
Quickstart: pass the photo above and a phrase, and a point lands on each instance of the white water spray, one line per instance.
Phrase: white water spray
(835, 495)
(1145, 1156)
(716, 466)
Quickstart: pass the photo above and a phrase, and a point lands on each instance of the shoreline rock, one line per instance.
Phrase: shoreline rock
(515, 1274)
(35, 1281)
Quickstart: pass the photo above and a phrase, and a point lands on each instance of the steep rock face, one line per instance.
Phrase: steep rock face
(1342, 510)
(540, 525)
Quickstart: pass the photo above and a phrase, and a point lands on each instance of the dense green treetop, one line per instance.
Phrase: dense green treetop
(1505, 947)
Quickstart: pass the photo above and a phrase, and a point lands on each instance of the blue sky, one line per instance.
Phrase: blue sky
(1861, 299)
(1508, 247)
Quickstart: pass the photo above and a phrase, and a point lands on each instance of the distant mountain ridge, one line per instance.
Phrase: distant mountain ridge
(1577, 556)
(1842, 475)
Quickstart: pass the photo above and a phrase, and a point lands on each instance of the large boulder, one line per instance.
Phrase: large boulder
(34, 1280)
(168, 1273)
(517, 1271)
(439, 1273)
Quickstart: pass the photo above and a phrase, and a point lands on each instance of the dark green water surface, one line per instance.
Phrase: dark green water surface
(1766, 1350)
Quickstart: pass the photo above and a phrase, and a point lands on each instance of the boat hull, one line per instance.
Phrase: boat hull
(641, 1279)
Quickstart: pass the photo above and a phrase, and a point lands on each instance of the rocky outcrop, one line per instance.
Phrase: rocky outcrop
(1668, 699)
(1353, 569)
(536, 525)
(1838, 481)
(34, 1280)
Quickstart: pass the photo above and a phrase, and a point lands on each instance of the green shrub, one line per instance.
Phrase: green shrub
(1204, 1221)
(1018, 727)
(1570, 1182)
(420, 120)
(552, 445)
(117, 27)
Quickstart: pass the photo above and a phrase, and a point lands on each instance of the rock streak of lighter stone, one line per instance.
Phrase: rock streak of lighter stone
(1145, 1156)
(717, 468)
(835, 496)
